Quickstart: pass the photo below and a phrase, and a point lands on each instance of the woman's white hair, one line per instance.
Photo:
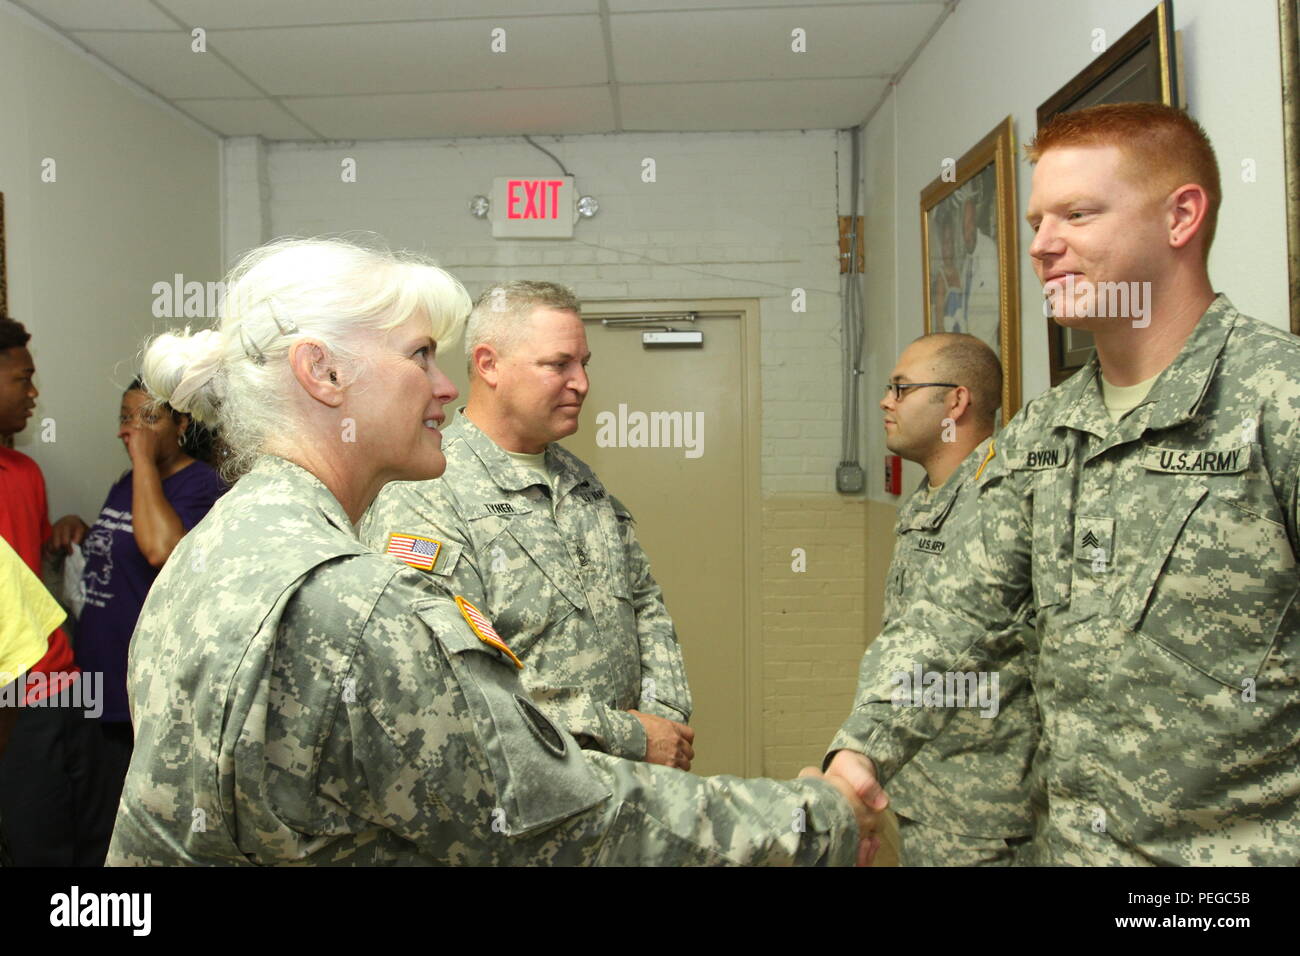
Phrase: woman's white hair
(331, 290)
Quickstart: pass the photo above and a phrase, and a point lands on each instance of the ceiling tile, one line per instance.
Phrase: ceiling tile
(98, 15)
(235, 14)
(344, 69)
(868, 39)
(165, 64)
(478, 113)
(418, 57)
(778, 104)
(695, 6)
(240, 117)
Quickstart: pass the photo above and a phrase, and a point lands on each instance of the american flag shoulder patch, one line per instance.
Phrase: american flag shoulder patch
(416, 550)
(483, 628)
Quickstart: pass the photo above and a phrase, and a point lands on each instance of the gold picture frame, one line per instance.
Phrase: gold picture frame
(969, 245)
(1288, 12)
(4, 272)
(6, 441)
(1139, 67)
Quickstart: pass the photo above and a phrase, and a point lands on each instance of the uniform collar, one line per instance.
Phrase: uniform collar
(298, 484)
(506, 473)
(919, 514)
(1175, 396)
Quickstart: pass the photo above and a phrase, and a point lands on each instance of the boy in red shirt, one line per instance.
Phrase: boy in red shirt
(46, 772)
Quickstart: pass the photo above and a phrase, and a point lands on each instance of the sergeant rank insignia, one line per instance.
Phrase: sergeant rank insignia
(482, 627)
(415, 550)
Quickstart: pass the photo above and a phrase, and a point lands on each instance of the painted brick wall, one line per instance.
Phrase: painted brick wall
(812, 623)
(729, 215)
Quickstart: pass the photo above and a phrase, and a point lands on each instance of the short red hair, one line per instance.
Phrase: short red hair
(1163, 146)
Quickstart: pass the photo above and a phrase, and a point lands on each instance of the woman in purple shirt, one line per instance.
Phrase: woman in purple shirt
(167, 491)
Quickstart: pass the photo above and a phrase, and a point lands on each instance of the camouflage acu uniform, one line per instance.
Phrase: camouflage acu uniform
(964, 799)
(568, 587)
(1160, 555)
(298, 700)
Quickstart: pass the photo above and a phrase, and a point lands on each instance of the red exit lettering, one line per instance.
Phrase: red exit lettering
(534, 199)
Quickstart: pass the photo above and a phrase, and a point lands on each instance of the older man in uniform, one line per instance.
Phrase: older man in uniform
(964, 799)
(1147, 508)
(525, 530)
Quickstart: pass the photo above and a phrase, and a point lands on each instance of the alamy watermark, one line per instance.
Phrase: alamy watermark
(77, 908)
(651, 430)
(57, 689)
(1099, 300)
(190, 300)
(916, 688)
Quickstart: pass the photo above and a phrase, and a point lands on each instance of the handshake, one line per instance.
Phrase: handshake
(854, 776)
(851, 773)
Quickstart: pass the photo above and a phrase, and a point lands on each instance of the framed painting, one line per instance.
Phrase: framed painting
(4, 272)
(1288, 12)
(969, 253)
(6, 440)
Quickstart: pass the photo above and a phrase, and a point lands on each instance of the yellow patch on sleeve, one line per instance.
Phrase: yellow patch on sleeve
(483, 628)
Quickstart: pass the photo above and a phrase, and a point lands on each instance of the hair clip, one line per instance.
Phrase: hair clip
(286, 328)
(250, 349)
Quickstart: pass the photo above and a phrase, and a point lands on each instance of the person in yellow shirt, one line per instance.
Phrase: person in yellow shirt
(30, 615)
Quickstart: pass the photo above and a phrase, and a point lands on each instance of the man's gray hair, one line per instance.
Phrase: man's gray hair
(499, 314)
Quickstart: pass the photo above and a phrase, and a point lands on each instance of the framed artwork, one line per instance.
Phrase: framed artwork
(6, 440)
(4, 272)
(969, 255)
(1139, 67)
(1289, 22)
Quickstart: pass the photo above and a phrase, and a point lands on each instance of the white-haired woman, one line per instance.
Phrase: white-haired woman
(300, 700)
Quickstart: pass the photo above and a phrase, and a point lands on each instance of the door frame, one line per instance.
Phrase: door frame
(751, 396)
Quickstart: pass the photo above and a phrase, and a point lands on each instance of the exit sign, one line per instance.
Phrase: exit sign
(525, 207)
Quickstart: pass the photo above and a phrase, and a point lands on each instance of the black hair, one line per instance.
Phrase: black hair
(13, 334)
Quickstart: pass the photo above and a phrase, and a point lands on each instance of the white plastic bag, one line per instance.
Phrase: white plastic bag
(74, 592)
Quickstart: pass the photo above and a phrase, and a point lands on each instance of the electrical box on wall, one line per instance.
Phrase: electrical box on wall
(850, 478)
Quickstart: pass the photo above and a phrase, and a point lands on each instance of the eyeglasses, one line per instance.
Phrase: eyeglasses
(899, 387)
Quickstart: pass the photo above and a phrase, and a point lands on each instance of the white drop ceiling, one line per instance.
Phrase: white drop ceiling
(408, 69)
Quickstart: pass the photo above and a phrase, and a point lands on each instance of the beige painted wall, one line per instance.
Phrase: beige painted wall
(814, 624)
(817, 623)
(135, 200)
